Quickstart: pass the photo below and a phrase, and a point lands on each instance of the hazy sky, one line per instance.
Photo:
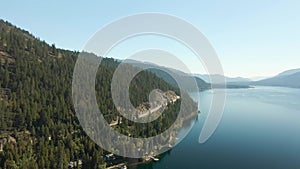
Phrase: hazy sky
(252, 38)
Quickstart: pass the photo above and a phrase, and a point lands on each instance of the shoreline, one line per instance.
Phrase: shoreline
(140, 161)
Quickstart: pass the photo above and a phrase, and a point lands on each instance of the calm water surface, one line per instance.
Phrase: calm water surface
(260, 129)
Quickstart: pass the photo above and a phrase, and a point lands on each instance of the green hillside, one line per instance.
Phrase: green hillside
(38, 126)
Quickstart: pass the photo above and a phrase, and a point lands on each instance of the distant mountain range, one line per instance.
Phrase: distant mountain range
(202, 84)
(289, 72)
(160, 72)
(289, 78)
(207, 77)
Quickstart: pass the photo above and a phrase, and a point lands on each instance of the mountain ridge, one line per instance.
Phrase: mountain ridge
(289, 78)
(206, 78)
(289, 72)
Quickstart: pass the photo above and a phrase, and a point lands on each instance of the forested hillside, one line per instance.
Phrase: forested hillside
(38, 126)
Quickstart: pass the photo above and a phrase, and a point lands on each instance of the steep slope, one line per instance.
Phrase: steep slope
(38, 126)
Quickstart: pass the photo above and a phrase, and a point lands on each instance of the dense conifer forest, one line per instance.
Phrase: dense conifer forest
(38, 125)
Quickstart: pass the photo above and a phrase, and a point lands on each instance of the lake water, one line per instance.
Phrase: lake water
(260, 129)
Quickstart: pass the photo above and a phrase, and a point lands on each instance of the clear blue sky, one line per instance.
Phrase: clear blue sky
(252, 38)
